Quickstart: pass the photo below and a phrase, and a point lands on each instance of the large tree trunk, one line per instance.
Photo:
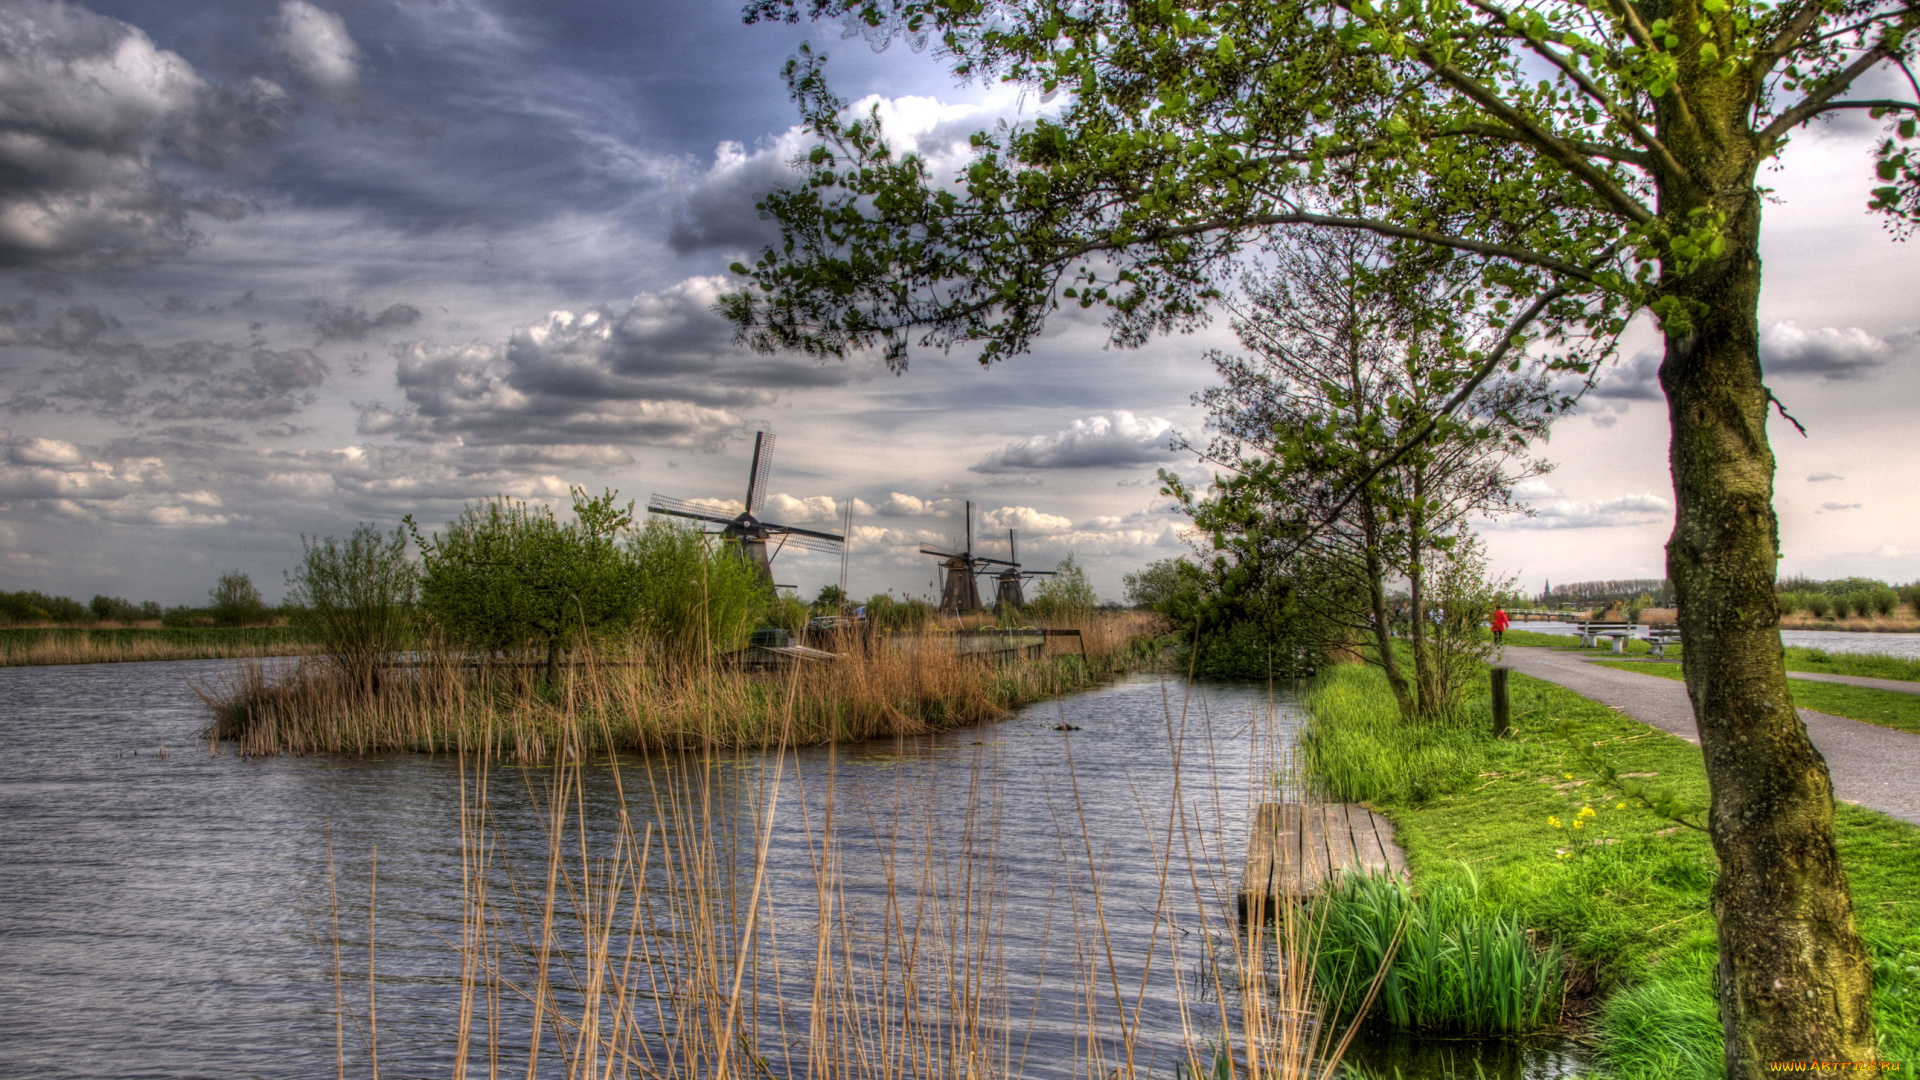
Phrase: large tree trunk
(1795, 979)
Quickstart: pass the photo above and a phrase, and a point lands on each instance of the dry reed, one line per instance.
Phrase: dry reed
(41, 646)
(647, 945)
(632, 700)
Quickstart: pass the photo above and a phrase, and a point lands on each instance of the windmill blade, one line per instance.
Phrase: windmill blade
(671, 512)
(1013, 546)
(685, 506)
(762, 469)
(825, 547)
(942, 554)
(833, 537)
(969, 548)
(996, 562)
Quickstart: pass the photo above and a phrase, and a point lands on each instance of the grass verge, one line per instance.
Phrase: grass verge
(20, 646)
(1888, 708)
(1799, 657)
(1624, 894)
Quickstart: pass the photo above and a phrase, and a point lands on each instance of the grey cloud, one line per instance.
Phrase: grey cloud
(1830, 353)
(1122, 439)
(89, 110)
(718, 211)
(1634, 379)
(1823, 477)
(663, 371)
(1601, 513)
(1839, 506)
(344, 322)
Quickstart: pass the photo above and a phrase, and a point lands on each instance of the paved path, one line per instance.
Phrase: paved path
(1872, 766)
(1898, 686)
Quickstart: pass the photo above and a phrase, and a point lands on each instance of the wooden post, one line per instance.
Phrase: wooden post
(1502, 710)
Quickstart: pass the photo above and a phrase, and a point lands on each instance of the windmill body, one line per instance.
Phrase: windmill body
(756, 540)
(959, 591)
(1009, 582)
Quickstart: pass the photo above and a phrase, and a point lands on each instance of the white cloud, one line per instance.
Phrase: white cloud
(1600, 513)
(1026, 519)
(1117, 440)
(316, 45)
(90, 108)
(1830, 353)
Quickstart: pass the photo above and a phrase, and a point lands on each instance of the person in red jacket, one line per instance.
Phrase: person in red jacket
(1499, 623)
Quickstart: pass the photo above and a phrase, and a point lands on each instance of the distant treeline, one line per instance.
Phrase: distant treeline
(233, 601)
(1843, 597)
(1659, 591)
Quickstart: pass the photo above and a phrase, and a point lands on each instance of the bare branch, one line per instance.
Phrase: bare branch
(1818, 99)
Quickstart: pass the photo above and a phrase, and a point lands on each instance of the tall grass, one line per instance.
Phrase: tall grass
(1357, 748)
(1870, 665)
(649, 943)
(637, 700)
(1458, 967)
(20, 646)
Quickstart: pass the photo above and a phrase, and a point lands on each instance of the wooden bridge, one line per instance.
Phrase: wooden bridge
(1293, 849)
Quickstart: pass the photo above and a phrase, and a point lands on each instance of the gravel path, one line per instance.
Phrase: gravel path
(1872, 766)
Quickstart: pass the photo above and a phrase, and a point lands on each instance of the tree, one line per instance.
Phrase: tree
(1067, 595)
(1349, 350)
(1591, 160)
(831, 600)
(695, 597)
(1162, 582)
(507, 574)
(233, 601)
(357, 597)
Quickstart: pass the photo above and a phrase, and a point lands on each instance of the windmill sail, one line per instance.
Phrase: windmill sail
(746, 532)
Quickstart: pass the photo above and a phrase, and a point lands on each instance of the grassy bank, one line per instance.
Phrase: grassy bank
(68, 645)
(1799, 658)
(1888, 708)
(1522, 825)
(631, 700)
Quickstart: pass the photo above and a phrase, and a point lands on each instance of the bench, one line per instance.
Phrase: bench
(1591, 633)
(1658, 640)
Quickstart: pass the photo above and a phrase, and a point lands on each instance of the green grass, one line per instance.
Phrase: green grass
(1868, 665)
(1888, 708)
(1625, 895)
(1799, 658)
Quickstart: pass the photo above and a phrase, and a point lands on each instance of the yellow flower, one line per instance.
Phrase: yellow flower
(1562, 854)
(1553, 821)
(1619, 806)
(1579, 824)
(1567, 775)
(1586, 811)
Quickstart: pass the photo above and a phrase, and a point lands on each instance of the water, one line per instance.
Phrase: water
(167, 911)
(1835, 641)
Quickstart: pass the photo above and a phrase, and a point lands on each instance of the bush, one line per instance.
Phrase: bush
(1884, 601)
(889, 613)
(1067, 596)
(357, 597)
(695, 598)
(235, 602)
(1819, 605)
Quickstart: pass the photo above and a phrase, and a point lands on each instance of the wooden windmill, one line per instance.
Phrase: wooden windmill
(1008, 582)
(751, 534)
(959, 593)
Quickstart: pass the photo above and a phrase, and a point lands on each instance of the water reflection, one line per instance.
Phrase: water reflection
(175, 914)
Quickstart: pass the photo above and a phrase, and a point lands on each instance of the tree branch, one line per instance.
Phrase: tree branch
(1817, 100)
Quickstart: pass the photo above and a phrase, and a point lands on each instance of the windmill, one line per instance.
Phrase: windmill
(959, 593)
(747, 530)
(1008, 591)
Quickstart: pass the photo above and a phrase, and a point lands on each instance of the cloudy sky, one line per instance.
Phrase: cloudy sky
(272, 267)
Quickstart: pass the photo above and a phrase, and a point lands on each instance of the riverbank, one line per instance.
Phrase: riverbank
(1623, 892)
(631, 700)
(34, 645)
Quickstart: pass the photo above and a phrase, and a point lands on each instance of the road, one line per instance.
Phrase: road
(1872, 766)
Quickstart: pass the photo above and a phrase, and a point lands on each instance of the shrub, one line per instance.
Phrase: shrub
(1819, 605)
(1884, 601)
(694, 598)
(1067, 596)
(233, 601)
(356, 596)
(35, 606)
(887, 612)
(507, 575)
(113, 608)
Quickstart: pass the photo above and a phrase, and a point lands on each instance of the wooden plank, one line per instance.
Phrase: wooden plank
(1293, 849)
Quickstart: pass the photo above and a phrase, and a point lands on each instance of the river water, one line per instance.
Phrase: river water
(168, 911)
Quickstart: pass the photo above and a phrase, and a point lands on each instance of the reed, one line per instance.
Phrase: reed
(23, 646)
(1459, 967)
(632, 698)
(649, 941)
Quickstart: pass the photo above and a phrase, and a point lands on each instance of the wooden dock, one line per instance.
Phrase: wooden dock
(1295, 848)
